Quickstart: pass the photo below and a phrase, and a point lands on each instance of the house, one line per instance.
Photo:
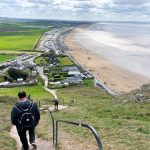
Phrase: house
(74, 72)
(18, 66)
(53, 60)
(34, 73)
(29, 65)
(20, 80)
(67, 68)
(72, 80)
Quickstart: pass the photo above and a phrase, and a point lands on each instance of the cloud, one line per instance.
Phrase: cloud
(131, 2)
(77, 9)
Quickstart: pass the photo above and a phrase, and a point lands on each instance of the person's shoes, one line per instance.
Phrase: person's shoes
(24, 148)
(34, 145)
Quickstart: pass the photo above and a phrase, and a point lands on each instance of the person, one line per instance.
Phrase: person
(25, 116)
(56, 104)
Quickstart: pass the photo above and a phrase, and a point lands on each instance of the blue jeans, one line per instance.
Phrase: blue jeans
(23, 137)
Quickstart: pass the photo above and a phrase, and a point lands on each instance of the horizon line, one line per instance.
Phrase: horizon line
(94, 21)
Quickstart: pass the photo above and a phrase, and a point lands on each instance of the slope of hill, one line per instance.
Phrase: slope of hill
(120, 125)
(6, 142)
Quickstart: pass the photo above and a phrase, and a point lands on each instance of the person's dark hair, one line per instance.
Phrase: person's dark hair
(22, 94)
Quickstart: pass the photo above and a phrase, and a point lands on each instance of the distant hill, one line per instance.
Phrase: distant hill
(7, 19)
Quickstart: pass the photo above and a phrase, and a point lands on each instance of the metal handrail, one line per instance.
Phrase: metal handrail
(53, 123)
(39, 103)
(42, 100)
(83, 125)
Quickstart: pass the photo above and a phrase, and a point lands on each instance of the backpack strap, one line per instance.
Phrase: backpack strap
(18, 108)
(31, 106)
(28, 109)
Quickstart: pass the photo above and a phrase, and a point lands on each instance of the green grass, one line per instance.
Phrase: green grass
(65, 61)
(6, 142)
(119, 125)
(88, 82)
(36, 92)
(41, 61)
(4, 58)
(20, 42)
(18, 37)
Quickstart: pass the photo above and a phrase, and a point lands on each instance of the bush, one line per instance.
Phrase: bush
(2, 78)
(2, 67)
(14, 74)
(57, 79)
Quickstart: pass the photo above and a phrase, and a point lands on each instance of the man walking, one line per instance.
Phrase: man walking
(25, 116)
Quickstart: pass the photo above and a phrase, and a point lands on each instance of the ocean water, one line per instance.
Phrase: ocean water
(125, 44)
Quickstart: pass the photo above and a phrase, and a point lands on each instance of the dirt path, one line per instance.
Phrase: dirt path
(42, 145)
(13, 134)
(53, 92)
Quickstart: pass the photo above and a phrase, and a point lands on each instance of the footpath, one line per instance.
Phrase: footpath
(42, 145)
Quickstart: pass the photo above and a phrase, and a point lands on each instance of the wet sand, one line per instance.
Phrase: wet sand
(116, 77)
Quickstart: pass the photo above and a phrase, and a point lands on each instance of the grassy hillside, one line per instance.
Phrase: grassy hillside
(6, 103)
(6, 142)
(121, 125)
(36, 92)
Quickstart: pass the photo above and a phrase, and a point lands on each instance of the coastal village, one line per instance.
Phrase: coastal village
(59, 69)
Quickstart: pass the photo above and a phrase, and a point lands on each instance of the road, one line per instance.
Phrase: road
(53, 40)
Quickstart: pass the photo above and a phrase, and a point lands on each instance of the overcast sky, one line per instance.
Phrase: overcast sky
(93, 10)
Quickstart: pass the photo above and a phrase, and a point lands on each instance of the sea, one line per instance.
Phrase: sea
(126, 44)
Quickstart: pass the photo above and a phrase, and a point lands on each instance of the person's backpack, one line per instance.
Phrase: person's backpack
(26, 119)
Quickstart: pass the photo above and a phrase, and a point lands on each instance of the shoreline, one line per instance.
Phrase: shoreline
(118, 79)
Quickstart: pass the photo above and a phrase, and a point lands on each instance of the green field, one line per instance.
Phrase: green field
(120, 125)
(65, 61)
(41, 61)
(4, 58)
(36, 92)
(18, 37)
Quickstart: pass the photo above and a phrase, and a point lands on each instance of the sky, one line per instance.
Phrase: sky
(86, 10)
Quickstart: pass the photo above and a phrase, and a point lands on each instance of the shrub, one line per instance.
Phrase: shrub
(14, 74)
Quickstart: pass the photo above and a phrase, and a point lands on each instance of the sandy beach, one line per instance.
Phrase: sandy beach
(117, 78)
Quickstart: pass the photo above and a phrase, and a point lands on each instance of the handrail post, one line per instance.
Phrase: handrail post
(96, 136)
(53, 125)
(94, 132)
(56, 133)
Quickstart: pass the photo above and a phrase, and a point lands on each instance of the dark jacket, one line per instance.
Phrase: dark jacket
(16, 114)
